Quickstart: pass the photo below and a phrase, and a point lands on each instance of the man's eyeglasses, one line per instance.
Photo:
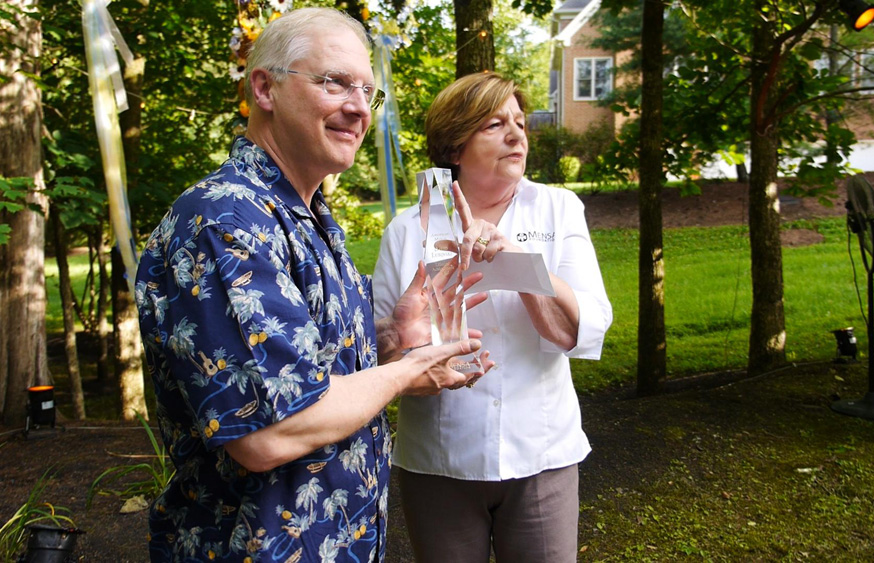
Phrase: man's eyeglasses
(339, 85)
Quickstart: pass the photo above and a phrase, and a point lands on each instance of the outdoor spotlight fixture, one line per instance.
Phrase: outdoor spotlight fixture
(860, 12)
(847, 347)
(41, 407)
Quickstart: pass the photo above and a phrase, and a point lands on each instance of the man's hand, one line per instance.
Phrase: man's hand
(409, 325)
(436, 366)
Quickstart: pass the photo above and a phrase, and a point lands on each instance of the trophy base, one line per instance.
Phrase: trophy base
(468, 364)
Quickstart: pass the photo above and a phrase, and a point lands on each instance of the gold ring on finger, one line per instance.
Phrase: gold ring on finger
(483, 241)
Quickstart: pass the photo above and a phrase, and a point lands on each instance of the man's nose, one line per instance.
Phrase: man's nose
(358, 100)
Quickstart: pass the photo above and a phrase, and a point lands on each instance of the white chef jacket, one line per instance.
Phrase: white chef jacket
(523, 416)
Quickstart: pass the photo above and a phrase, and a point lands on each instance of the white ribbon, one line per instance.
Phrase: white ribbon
(388, 125)
(109, 99)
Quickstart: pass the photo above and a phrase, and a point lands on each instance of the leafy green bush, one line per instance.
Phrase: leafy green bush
(362, 179)
(13, 534)
(357, 222)
(548, 145)
(570, 168)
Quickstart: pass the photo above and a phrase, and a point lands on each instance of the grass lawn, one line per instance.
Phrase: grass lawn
(707, 298)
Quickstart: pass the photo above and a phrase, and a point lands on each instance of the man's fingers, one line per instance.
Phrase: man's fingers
(474, 333)
(418, 282)
(472, 301)
(466, 347)
(486, 362)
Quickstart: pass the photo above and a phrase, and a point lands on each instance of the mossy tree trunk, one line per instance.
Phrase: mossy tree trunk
(22, 279)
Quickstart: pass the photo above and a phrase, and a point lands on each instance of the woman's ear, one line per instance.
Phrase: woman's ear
(261, 89)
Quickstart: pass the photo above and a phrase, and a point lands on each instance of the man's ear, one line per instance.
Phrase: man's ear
(262, 89)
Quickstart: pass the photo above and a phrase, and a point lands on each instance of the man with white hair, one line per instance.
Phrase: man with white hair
(259, 330)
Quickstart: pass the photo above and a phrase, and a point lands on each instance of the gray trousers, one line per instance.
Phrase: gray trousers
(530, 520)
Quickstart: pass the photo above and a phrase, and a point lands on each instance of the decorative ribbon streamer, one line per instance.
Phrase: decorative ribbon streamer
(388, 125)
(109, 99)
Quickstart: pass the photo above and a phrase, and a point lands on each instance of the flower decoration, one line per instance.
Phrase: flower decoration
(280, 6)
(252, 16)
(238, 69)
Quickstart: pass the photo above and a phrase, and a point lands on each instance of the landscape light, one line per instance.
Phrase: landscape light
(861, 13)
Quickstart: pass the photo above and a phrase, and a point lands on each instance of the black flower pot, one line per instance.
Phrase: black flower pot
(51, 544)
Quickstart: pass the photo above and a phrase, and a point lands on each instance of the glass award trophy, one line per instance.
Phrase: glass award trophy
(443, 234)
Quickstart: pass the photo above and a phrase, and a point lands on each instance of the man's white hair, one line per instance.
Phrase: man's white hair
(287, 39)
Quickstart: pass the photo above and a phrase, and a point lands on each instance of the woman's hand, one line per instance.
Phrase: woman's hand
(482, 240)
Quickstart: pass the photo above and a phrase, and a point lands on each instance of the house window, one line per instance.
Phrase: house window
(858, 69)
(593, 78)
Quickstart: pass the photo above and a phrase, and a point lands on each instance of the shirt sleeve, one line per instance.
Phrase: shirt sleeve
(242, 345)
(578, 267)
(387, 273)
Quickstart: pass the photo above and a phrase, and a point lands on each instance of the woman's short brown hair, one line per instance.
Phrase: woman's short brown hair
(460, 110)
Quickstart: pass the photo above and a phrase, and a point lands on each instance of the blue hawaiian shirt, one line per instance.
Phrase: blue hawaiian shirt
(247, 305)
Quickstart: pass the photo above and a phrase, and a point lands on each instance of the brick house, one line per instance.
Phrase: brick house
(580, 75)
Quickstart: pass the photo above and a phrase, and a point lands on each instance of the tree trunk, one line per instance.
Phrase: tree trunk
(651, 339)
(104, 373)
(66, 288)
(767, 347)
(474, 37)
(22, 286)
(128, 346)
(832, 116)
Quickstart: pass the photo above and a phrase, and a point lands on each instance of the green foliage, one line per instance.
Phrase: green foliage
(547, 146)
(517, 58)
(362, 179)
(346, 209)
(425, 64)
(157, 473)
(184, 131)
(422, 67)
(13, 192)
(709, 68)
(13, 533)
(569, 166)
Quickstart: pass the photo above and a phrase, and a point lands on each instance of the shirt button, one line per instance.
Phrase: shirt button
(497, 402)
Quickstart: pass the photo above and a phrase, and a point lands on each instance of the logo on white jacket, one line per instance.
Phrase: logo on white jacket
(535, 236)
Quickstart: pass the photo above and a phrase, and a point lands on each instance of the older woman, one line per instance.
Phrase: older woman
(495, 465)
